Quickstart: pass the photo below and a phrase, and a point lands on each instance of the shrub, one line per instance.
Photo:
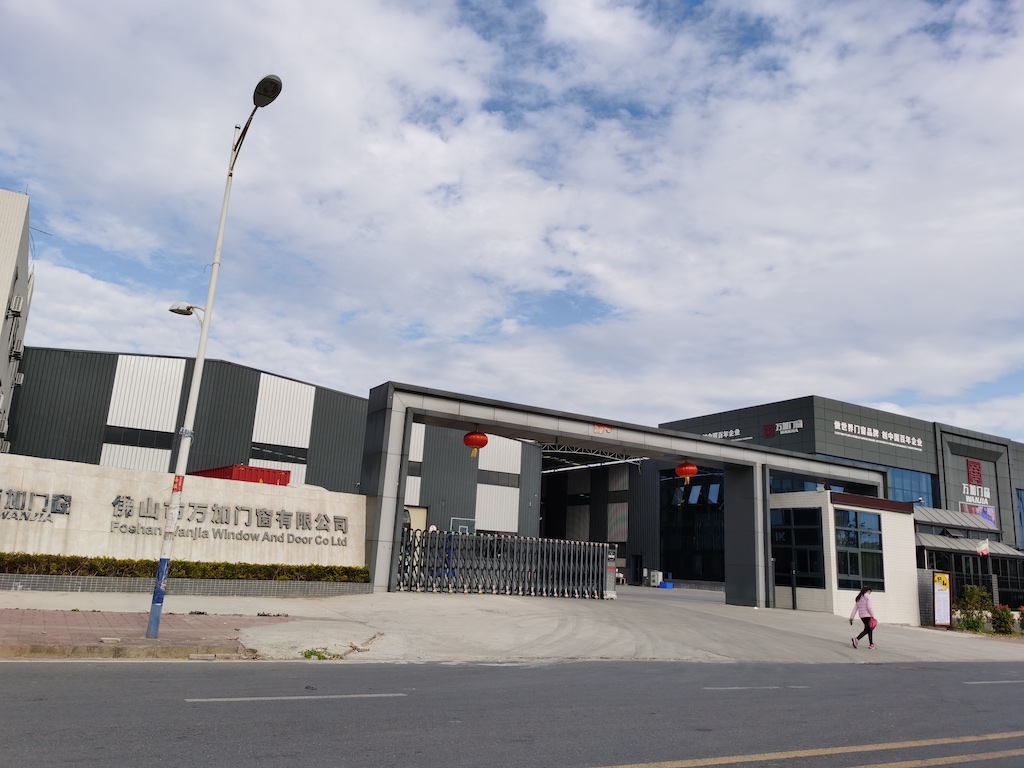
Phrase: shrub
(972, 607)
(1002, 620)
(77, 565)
(1020, 617)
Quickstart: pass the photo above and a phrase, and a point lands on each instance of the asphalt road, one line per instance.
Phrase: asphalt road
(543, 714)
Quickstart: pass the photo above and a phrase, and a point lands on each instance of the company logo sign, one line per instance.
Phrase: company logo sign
(977, 495)
(782, 428)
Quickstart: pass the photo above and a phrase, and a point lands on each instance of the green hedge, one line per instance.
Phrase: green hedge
(77, 565)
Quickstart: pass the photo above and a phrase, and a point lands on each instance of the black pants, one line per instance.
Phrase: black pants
(867, 631)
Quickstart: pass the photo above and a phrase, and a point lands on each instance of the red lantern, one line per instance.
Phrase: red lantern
(686, 470)
(476, 441)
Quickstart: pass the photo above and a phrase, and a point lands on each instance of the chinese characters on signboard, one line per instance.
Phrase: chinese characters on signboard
(723, 434)
(241, 523)
(876, 435)
(34, 507)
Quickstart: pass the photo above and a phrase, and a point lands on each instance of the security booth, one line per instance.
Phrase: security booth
(827, 545)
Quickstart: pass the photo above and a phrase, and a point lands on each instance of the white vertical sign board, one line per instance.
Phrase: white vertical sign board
(941, 595)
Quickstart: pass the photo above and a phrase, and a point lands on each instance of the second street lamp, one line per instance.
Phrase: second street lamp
(266, 91)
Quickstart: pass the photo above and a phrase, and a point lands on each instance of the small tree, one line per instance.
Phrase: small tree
(1002, 620)
(972, 608)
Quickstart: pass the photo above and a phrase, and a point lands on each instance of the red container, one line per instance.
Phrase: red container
(248, 474)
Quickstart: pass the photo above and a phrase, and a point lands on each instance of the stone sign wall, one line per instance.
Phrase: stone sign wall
(59, 507)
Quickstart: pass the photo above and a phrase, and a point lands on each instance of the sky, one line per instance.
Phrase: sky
(637, 211)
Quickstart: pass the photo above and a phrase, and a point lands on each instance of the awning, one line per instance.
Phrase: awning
(969, 546)
(947, 518)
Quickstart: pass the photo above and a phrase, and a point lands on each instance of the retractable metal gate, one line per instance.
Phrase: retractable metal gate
(442, 561)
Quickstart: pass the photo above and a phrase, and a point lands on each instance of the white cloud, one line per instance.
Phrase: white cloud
(764, 200)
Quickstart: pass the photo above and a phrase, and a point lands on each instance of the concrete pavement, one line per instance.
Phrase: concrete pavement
(642, 624)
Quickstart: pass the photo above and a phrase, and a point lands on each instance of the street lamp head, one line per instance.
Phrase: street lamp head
(181, 308)
(267, 90)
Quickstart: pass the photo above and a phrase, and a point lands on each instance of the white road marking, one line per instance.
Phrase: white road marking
(755, 687)
(304, 698)
(994, 682)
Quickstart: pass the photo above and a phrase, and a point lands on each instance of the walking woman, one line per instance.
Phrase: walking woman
(867, 615)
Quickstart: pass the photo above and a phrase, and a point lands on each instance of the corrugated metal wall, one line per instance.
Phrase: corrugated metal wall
(412, 491)
(135, 457)
(225, 415)
(598, 505)
(284, 412)
(416, 442)
(577, 522)
(529, 490)
(63, 414)
(501, 455)
(336, 441)
(644, 529)
(497, 508)
(146, 392)
(448, 483)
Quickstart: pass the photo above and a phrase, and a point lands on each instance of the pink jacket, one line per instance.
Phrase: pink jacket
(863, 607)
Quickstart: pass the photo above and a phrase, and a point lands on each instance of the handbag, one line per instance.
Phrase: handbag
(872, 622)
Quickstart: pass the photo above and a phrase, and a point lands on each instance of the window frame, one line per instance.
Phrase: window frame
(800, 554)
(866, 529)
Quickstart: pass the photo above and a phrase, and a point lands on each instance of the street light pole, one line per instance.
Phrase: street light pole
(266, 91)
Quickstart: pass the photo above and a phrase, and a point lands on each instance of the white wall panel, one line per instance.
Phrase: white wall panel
(147, 391)
(577, 522)
(284, 412)
(416, 442)
(618, 521)
(618, 477)
(501, 455)
(497, 508)
(412, 491)
(134, 457)
(298, 470)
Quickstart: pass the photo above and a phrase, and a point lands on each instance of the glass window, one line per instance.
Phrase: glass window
(1020, 511)
(859, 550)
(904, 484)
(713, 493)
(845, 519)
(871, 541)
(846, 538)
(869, 521)
(797, 547)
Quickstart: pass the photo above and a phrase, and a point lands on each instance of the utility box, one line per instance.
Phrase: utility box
(248, 474)
(655, 578)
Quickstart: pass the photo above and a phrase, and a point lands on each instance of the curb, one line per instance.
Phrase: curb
(194, 652)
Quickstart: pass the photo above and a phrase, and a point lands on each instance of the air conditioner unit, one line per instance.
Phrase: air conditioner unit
(19, 379)
(17, 304)
(4, 425)
(5, 447)
(17, 350)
